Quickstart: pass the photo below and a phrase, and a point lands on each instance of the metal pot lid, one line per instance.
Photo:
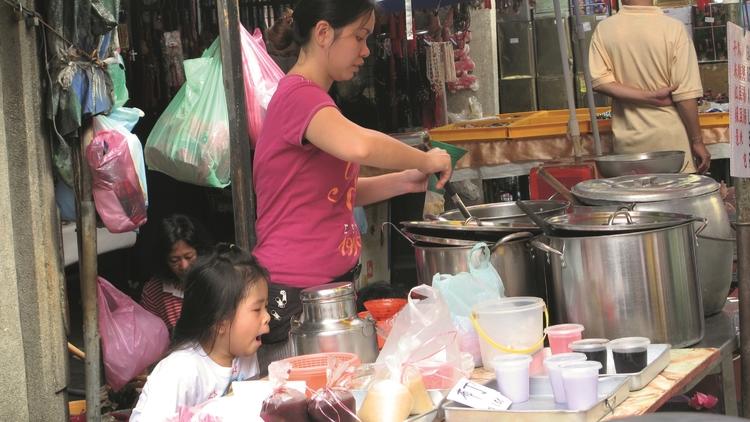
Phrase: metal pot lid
(500, 211)
(327, 291)
(645, 188)
(433, 227)
(622, 221)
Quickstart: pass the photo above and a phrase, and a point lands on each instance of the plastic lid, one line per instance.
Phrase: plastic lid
(580, 367)
(645, 188)
(561, 358)
(511, 360)
(589, 345)
(629, 343)
(509, 305)
(563, 329)
(327, 291)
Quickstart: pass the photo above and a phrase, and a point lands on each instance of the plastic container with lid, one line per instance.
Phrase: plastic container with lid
(594, 348)
(552, 366)
(512, 372)
(561, 335)
(581, 382)
(630, 354)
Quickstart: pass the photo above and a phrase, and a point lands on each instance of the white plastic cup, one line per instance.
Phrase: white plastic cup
(512, 372)
(552, 366)
(581, 381)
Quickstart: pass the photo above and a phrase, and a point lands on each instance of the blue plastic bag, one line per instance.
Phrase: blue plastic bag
(464, 290)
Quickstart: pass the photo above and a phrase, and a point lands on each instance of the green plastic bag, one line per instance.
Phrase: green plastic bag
(117, 74)
(190, 141)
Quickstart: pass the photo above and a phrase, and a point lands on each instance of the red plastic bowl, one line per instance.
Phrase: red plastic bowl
(381, 309)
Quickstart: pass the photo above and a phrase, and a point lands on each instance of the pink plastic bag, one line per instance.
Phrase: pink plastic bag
(132, 337)
(262, 75)
(118, 195)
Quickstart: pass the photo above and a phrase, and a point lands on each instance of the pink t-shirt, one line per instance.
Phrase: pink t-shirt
(306, 230)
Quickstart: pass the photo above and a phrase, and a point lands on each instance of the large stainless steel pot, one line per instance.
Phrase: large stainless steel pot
(520, 267)
(329, 323)
(685, 194)
(632, 284)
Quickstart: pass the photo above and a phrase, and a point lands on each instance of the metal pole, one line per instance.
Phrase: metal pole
(742, 187)
(573, 129)
(580, 50)
(243, 197)
(87, 268)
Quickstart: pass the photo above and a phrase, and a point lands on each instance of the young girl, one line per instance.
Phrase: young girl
(306, 164)
(223, 316)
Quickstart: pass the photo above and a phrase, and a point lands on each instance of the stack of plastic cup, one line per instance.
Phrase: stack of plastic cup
(581, 382)
(594, 349)
(512, 372)
(552, 365)
(560, 336)
(630, 354)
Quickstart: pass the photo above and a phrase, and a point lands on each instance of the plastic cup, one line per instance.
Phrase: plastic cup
(552, 365)
(594, 348)
(581, 382)
(630, 354)
(560, 336)
(512, 372)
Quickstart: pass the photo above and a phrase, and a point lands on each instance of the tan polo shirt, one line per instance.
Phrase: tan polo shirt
(642, 48)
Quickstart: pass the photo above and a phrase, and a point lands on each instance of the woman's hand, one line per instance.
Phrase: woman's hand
(438, 161)
(414, 181)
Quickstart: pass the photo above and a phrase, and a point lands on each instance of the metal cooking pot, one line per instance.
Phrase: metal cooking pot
(521, 269)
(632, 284)
(329, 323)
(508, 212)
(686, 194)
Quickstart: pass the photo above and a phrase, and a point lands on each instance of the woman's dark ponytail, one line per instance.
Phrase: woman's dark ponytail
(338, 13)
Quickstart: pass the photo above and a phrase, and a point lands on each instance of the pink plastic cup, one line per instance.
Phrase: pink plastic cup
(560, 336)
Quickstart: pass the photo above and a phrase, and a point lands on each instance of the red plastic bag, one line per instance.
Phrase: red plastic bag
(132, 337)
(118, 194)
(261, 75)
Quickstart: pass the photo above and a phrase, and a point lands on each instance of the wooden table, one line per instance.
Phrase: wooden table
(686, 367)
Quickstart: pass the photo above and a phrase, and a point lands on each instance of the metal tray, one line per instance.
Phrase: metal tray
(542, 407)
(658, 358)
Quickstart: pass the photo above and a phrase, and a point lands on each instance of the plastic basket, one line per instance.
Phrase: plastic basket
(312, 368)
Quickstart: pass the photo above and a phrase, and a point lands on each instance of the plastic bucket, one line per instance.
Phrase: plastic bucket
(509, 325)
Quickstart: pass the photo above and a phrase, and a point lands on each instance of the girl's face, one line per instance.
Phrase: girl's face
(348, 50)
(250, 321)
(181, 257)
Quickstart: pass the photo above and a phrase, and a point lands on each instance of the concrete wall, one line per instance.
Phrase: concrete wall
(484, 53)
(33, 355)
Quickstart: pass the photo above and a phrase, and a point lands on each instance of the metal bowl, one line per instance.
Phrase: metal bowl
(508, 212)
(643, 163)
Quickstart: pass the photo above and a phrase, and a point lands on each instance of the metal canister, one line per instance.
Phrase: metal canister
(329, 323)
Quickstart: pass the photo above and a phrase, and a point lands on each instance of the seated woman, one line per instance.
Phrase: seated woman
(181, 241)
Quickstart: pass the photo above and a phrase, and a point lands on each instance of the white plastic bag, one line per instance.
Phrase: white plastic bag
(424, 337)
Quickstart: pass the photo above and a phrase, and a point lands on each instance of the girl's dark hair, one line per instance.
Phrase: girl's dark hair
(338, 13)
(215, 286)
(173, 229)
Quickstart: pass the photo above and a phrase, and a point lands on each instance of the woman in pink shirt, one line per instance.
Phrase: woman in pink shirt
(306, 165)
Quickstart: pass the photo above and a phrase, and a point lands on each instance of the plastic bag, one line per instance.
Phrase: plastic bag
(190, 141)
(262, 75)
(132, 337)
(118, 194)
(424, 337)
(116, 71)
(464, 290)
(284, 404)
(124, 119)
(334, 402)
